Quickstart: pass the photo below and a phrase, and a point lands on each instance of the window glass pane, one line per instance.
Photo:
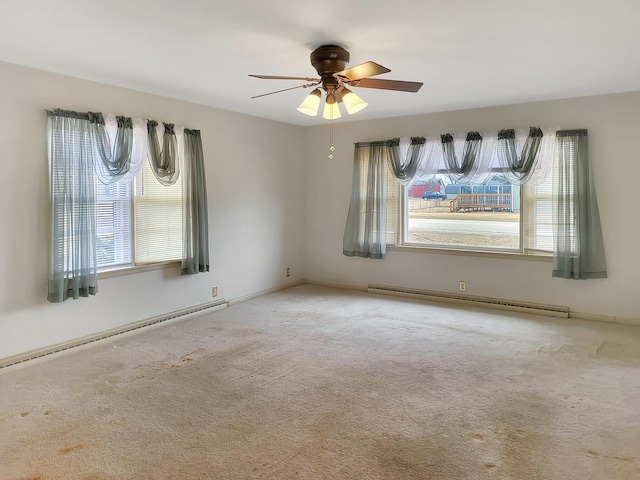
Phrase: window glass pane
(442, 213)
(113, 219)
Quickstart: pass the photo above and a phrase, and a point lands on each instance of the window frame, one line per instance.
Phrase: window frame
(402, 232)
(108, 271)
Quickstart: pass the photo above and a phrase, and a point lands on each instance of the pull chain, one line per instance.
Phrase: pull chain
(332, 148)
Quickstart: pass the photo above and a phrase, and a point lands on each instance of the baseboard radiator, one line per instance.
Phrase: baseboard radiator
(496, 303)
(96, 337)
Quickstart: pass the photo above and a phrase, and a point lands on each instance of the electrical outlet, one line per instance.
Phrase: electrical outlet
(463, 286)
(288, 272)
(214, 291)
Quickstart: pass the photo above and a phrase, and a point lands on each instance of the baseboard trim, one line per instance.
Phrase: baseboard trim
(605, 318)
(182, 314)
(251, 296)
(473, 301)
(571, 313)
(343, 286)
(592, 317)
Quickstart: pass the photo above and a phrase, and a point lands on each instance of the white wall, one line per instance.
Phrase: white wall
(272, 190)
(254, 181)
(614, 125)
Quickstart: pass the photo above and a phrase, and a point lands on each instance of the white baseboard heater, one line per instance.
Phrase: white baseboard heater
(496, 303)
(61, 347)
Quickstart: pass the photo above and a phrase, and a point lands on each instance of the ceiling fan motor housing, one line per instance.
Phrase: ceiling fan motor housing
(329, 59)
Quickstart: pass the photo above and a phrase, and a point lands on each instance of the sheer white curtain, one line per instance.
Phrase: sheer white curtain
(430, 161)
(479, 163)
(485, 162)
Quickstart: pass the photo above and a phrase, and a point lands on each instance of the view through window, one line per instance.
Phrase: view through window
(440, 212)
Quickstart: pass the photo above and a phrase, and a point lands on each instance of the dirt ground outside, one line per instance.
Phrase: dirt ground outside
(439, 209)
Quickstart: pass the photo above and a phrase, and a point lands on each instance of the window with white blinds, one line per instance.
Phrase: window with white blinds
(138, 223)
(158, 219)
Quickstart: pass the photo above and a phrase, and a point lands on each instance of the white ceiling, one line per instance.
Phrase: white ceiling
(468, 53)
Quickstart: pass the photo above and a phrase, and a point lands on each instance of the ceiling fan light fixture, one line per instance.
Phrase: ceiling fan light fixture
(331, 110)
(311, 104)
(353, 102)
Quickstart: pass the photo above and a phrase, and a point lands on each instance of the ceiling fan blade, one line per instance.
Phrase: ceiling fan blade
(278, 77)
(306, 85)
(387, 84)
(367, 69)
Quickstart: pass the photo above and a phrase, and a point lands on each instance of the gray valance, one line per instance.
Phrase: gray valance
(164, 161)
(115, 156)
(518, 167)
(462, 170)
(404, 162)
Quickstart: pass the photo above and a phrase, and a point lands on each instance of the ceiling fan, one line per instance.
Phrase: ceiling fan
(330, 62)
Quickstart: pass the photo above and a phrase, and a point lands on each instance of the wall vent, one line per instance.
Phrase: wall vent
(61, 347)
(496, 303)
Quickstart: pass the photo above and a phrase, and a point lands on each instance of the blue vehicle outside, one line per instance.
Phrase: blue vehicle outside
(433, 196)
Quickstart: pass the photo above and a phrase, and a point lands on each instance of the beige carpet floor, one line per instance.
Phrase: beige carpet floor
(316, 383)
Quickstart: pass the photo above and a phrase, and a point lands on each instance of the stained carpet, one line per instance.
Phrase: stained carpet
(316, 383)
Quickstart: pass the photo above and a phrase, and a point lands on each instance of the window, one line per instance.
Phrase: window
(138, 223)
(495, 216)
(110, 208)
(554, 213)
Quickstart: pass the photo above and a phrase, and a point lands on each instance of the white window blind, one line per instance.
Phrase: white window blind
(537, 217)
(158, 219)
(113, 219)
(393, 206)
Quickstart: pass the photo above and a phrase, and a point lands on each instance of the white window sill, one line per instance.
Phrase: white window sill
(133, 269)
(471, 253)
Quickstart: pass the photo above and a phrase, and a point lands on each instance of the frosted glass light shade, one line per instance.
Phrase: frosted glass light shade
(311, 104)
(353, 102)
(331, 110)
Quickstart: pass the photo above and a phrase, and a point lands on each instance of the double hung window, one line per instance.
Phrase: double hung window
(138, 223)
(112, 209)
